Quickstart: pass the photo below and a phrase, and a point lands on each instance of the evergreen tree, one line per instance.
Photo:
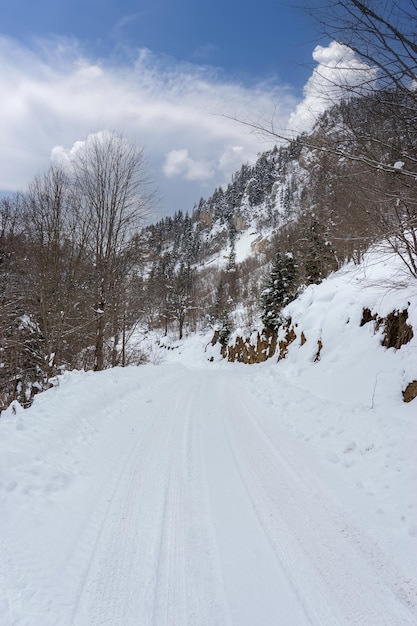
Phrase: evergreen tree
(280, 289)
(319, 256)
(231, 264)
(225, 329)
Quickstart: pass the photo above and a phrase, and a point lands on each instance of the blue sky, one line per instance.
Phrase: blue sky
(249, 41)
(169, 75)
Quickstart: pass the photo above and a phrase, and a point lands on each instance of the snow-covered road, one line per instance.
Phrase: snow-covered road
(168, 496)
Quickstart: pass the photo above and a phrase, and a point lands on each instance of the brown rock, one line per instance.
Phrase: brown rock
(397, 332)
(410, 391)
(243, 351)
(285, 343)
(319, 349)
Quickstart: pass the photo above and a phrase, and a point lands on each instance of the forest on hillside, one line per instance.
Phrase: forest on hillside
(79, 270)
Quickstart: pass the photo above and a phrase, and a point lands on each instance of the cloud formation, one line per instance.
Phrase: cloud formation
(338, 72)
(179, 163)
(53, 96)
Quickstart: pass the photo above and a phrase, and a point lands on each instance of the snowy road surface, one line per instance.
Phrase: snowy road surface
(167, 496)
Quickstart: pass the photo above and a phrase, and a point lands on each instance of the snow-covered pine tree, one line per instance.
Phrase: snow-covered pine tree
(319, 256)
(279, 290)
(225, 329)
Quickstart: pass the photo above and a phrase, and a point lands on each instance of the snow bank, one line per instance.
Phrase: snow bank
(352, 365)
(346, 406)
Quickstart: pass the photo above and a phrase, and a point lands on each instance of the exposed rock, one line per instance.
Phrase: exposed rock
(243, 351)
(240, 223)
(303, 338)
(319, 349)
(290, 336)
(205, 219)
(259, 245)
(367, 316)
(410, 391)
(397, 332)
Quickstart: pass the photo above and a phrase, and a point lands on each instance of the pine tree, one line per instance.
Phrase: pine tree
(319, 255)
(280, 289)
(225, 329)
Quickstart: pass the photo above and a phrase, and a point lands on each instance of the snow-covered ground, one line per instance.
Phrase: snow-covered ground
(198, 492)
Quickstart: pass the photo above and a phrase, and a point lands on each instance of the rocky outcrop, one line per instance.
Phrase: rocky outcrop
(397, 332)
(284, 344)
(259, 245)
(317, 356)
(260, 347)
(410, 392)
(264, 345)
(252, 349)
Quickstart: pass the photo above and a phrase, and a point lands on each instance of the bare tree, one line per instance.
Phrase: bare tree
(110, 175)
(379, 129)
(67, 258)
(375, 125)
(55, 265)
(12, 344)
(381, 33)
(182, 301)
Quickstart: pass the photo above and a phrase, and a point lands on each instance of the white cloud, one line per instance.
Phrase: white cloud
(65, 156)
(54, 96)
(339, 71)
(179, 163)
(230, 159)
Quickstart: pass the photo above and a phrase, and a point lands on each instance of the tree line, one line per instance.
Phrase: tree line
(68, 256)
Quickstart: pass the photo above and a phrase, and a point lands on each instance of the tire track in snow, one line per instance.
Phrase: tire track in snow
(188, 572)
(34, 594)
(257, 588)
(169, 600)
(121, 576)
(143, 569)
(334, 567)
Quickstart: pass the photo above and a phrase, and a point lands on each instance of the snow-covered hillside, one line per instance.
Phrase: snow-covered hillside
(199, 491)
